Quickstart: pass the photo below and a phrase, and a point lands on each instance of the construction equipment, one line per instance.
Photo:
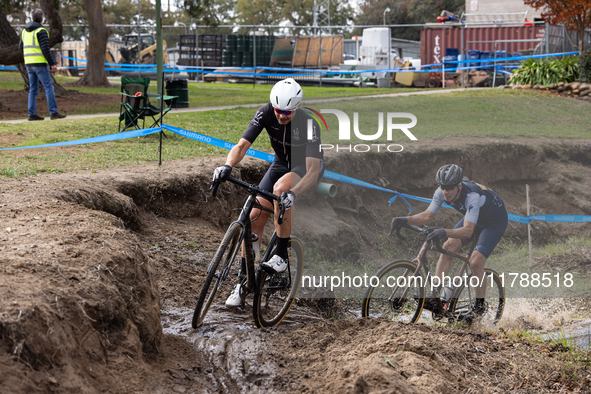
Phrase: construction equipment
(142, 52)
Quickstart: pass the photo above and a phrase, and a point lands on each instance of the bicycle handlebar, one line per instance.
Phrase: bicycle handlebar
(424, 230)
(252, 189)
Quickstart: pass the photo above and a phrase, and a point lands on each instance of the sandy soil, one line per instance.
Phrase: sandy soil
(100, 271)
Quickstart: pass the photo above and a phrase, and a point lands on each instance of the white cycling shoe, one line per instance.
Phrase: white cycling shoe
(234, 300)
(276, 264)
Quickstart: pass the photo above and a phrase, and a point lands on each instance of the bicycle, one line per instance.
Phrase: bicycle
(403, 299)
(274, 293)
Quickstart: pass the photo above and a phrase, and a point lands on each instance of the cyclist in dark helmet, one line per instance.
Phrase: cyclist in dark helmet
(483, 210)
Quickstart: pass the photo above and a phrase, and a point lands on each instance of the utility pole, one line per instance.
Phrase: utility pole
(159, 51)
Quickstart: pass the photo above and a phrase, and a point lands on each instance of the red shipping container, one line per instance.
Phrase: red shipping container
(434, 41)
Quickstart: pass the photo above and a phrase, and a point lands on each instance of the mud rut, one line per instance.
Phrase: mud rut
(99, 274)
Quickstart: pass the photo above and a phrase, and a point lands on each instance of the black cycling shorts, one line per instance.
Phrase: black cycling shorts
(278, 169)
(490, 235)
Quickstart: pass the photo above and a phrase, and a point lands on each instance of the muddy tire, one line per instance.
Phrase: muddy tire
(276, 293)
(217, 272)
(494, 300)
(386, 299)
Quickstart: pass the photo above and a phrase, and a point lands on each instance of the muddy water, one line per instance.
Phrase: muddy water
(242, 355)
(245, 358)
(565, 320)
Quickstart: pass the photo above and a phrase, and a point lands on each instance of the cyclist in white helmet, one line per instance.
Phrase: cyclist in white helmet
(298, 164)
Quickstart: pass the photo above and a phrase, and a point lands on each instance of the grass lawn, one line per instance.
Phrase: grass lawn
(491, 112)
(207, 95)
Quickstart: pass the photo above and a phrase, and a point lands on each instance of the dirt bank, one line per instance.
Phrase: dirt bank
(96, 264)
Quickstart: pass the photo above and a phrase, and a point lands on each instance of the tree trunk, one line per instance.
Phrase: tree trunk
(9, 40)
(581, 38)
(98, 35)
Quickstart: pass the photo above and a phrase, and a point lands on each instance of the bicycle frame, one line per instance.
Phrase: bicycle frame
(246, 235)
(422, 262)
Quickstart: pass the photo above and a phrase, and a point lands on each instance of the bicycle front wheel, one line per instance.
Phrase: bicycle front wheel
(215, 276)
(397, 294)
(276, 293)
(494, 300)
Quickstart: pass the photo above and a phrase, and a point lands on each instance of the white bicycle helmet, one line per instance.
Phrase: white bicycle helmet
(286, 95)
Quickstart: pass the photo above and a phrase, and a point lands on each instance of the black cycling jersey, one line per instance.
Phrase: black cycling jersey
(292, 142)
(480, 204)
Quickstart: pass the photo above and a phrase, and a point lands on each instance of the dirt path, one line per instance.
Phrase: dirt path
(99, 274)
(18, 103)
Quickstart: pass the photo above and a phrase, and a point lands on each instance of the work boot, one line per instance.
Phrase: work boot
(57, 115)
(276, 264)
(35, 117)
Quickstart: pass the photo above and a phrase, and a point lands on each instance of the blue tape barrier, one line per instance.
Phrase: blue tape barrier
(346, 179)
(317, 72)
(103, 138)
(216, 142)
(269, 157)
(562, 218)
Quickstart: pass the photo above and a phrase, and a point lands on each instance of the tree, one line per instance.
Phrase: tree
(9, 51)
(8, 40)
(574, 14)
(257, 12)
(301, 13)
(405, 12)
(202, 10)
(95, 74)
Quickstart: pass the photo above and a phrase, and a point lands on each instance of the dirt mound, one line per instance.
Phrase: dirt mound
(576, 260)
(379, 356)
(89, 260)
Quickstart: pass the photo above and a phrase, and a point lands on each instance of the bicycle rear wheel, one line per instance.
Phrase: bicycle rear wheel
(222, 259)
(494, 301)
(276, 292)
(397, 295)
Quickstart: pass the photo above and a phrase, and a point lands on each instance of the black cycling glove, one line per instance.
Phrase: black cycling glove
(222, 173)
(287, 199)
(437, 235)
(397, 223)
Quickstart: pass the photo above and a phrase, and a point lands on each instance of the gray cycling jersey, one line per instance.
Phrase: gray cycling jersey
(480, 204)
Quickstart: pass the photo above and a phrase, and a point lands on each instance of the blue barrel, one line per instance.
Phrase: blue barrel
(447, 59)
(473, 54)
(486, 55)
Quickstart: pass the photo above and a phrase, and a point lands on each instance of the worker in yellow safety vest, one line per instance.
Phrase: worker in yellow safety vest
(38, 61)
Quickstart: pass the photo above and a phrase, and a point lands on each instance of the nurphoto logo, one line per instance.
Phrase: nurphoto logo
(391, 127)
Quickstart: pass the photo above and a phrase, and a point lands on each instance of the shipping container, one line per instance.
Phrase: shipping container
(435, 41)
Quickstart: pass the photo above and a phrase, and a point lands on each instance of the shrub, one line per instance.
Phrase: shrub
(585, 66)
(544, 72)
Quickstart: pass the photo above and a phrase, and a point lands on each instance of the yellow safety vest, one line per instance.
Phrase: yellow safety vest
(31, 50)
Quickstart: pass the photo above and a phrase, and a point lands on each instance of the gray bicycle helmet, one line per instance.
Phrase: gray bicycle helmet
(449, 175)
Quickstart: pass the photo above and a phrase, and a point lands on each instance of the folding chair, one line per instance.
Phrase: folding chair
(136, 106)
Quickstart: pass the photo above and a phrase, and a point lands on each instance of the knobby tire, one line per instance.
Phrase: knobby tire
(219, 263)
(270, 305)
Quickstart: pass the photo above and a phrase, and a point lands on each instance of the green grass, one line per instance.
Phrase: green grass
(207, 95)
(501, 113)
